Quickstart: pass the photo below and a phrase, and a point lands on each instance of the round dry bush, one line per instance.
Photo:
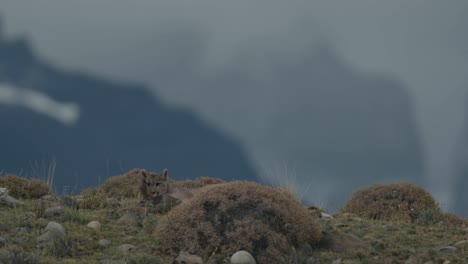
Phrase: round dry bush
(122, 186)
(224, 218)
(455, 220)
(93, 198)
(401, 201)
(197, 183)
(23, 188)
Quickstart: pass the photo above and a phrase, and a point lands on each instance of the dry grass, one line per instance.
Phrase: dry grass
(401, 201)
(224, 218)
(197, 183)
(22, 188)
(228, 217)
(120, 187)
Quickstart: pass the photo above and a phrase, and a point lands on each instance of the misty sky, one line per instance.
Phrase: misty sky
(424, 43)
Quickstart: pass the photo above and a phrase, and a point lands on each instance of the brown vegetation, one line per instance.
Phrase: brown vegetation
(401, 201)
(119, 187)
(228, 217)
(22, 188)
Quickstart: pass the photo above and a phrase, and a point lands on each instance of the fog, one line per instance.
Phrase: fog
(172, 44)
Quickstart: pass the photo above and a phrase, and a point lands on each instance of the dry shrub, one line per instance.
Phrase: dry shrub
(93, 198)
(234, 216)
(455, 220)
(121, 186)
(197, 183)
(23, 188)
(401, 201)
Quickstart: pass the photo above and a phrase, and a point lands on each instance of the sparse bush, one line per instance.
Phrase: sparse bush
(455, 220)
(17, 255)
(93, 198)
(228, 217)
(120, 187)
(22, 188)
(197, 183)
(401, 201)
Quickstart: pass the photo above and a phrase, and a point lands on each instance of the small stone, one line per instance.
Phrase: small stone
(325, 216)
(53, 211)
(462, 244)
(126, 248)
(242, 257)
(2, 241)
(54, 233)
(9, 201)
(447, 250)
(3, 191)
(104, 242)
(94, 225)
(446, 262)
(186, 258)
(55, 227)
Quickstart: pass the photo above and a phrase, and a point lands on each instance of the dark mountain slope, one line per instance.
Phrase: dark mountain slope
(121, 126)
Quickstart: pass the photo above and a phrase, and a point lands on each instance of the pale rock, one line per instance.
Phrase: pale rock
(53, 233)
(3, 191)
(53, 211)
(126, 248)
(447, 250)
(242, 257)
(325, 216)
(94, 225)
(462, 244)
(104, 242)
(9, 201)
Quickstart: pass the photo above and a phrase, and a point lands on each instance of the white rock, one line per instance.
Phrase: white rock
(104, 242)
(55, 227)
(326, 216)
(462, 244)
(242, 257)
(10, 201)
(94, 225)
(447, 250)
(126, 248)
(3, 191)
(54, 232)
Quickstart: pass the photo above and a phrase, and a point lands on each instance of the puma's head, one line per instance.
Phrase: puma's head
(153, 184)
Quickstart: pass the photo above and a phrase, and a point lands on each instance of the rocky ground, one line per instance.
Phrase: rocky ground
(57, 230)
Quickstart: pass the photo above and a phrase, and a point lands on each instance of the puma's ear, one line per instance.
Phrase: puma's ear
(144, 174)
(164, 174)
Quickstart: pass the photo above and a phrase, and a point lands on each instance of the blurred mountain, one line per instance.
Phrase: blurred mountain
(461, 172)
(311, 114)
(118, 127)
